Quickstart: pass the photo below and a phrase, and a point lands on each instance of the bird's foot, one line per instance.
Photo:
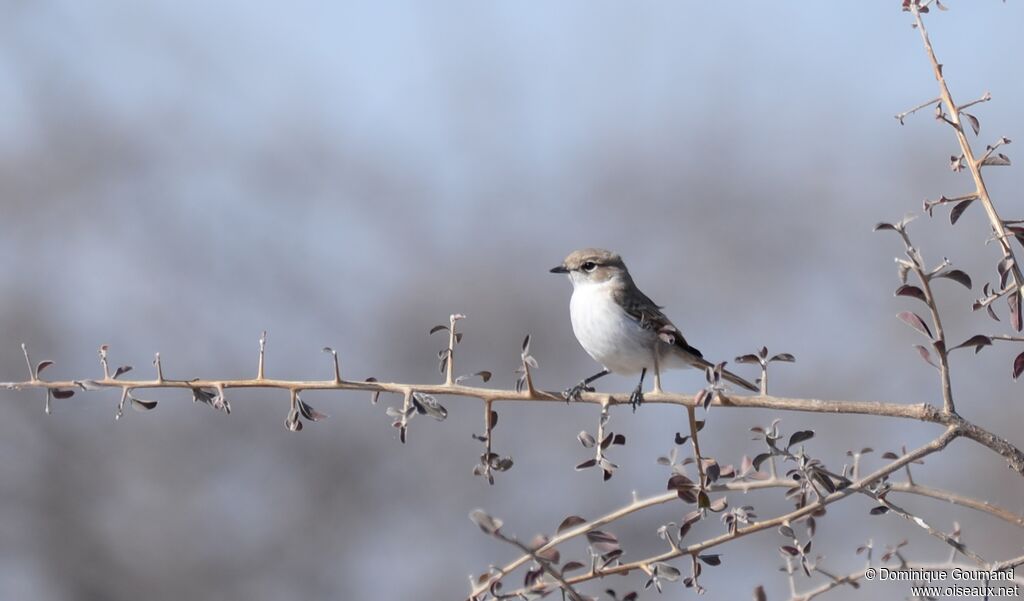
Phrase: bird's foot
(637, 398)
(573, 394)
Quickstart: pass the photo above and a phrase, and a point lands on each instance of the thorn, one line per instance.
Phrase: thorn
(31, 372)
(263, 348)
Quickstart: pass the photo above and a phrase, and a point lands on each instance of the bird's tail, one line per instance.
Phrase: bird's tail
(728, 375)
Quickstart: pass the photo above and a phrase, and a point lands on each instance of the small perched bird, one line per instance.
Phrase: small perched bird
(620, 327)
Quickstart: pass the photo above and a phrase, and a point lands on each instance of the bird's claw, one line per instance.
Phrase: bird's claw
(637, 398)
(573, 394)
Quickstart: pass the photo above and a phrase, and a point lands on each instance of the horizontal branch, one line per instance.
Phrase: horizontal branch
(920, 411)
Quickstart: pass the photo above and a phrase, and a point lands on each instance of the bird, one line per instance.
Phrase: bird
(620, 327)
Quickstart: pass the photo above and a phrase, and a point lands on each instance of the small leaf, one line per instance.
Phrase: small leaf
(998, 160)
(42, 365)
(891, 455)
(1014, 301)
(789, 550)
(975, 124)
(747, 359)
(957, 276)
(309, 413)
(978, 341)
(913, 320)
(759, 460)
(586, 439)
(911, 291)
(586, 464)
(958, 210)
(711, 559)
(438, 328)
(484, 375)
(799, 437)
(488, 524)
(881, 225)
(142, 405)
(680, 439)
(603, 542)
(122, 370)
(926, 355)
(1018, 366)
(879, 510)
(426, 404)
(569, 522)
(60, 393)
(785, 357)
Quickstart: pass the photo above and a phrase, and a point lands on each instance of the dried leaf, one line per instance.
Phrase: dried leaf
(913, 320)
(926, 355)
(957, 276)
(488, 524)
(310, 413)
(142, 405)
(1014, 301)
(958, 210)
(911, 291)
(997, 160)
(1018, 366)
(978, 341)
(799, 437)
(426, 404)
(571, 566)
(975, 124)
(569, 522)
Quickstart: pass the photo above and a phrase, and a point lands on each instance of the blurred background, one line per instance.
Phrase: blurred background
(179, 176)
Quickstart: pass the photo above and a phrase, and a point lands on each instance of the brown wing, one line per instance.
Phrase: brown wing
(649, 316)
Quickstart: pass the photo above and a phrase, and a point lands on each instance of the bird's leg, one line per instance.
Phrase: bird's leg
(638, 393)
(573, 394)
(657, 375)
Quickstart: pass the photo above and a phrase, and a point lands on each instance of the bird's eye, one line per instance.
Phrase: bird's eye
(588, 266)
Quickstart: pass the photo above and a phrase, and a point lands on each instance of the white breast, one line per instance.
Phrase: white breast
(609, 334)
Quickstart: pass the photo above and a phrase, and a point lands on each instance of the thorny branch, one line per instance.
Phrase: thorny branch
(935, 445)
(974, 165)
(743, 486)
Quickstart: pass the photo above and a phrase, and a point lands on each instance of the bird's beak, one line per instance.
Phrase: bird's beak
(559, 269)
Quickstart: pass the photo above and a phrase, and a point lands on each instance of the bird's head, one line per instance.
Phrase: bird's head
(592, 266)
